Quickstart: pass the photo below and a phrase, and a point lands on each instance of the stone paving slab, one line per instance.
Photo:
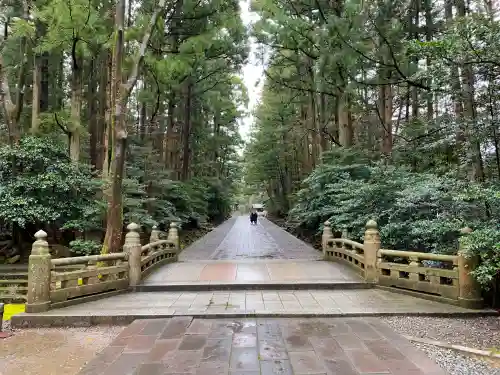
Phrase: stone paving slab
(337, 303)
(237, 239)
(251, 272)
(183, 345)
(227, 286)
(204, 247)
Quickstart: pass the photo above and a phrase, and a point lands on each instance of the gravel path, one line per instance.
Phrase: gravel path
(479, 333)
(52, 351)
(459, 364)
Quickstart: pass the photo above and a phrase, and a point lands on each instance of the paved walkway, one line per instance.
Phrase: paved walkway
(236, 239)
(286, 303)
(251, 271)
(183, 345)
(237, 253)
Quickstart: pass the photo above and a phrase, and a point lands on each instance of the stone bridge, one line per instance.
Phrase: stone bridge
(250, 275)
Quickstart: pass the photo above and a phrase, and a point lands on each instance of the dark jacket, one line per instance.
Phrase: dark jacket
(253, 216)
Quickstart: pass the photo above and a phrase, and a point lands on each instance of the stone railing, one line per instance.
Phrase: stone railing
(406, 271)
(52, 284)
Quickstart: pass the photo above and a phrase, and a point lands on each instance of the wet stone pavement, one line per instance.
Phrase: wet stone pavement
(236, 239)
(182, 345)
(254, 303)
(237, 272)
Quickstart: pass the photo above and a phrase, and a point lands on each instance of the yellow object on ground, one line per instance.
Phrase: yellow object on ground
(12, 309)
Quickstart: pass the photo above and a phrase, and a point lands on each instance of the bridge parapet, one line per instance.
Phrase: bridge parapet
(446, 278)
(61, 282)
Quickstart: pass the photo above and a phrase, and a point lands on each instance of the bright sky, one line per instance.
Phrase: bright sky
(253, 71)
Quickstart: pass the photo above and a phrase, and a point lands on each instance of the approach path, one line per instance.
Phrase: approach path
(187, 346)
(239, 253)
(236, 239)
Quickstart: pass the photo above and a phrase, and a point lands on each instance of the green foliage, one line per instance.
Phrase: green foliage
(85, 247)
(415, 211)
(40, 184)
(484, 243)
(152, 197)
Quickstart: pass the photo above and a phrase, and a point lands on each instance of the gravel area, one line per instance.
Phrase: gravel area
(479, 333)
(52, 351)
(6, 325)
(459, 364)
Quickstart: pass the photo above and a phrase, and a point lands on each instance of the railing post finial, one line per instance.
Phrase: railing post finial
(327, 234)
(155, 235)
(469, 291)
(39, 275)
(132, 247)
(173, 234)
(371, 246)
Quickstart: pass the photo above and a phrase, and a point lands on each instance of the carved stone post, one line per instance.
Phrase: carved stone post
(327, 234)
(469, 292)
(371, 247)
(39, 275)
(155, 235)
(132, 246)
(345, 235)
(173, 234)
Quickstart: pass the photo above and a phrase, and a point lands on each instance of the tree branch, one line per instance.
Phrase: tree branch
(132, 80)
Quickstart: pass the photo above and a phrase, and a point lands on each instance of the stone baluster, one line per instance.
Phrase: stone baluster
(327, 235)
(344, 235)
(414, 262)
(469, 292)
(155, 236)
(371, 246)
(132, 247)
(173, 234)
(39, 269)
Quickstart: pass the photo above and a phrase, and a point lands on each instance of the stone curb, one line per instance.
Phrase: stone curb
(458, 348)
(211, 286)
(38, 320)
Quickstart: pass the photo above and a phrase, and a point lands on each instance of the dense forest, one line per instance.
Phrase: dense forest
(129, 110)
(116, 111)
(386, 110)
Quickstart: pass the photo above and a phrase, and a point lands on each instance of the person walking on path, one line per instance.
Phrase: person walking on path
(253, 217)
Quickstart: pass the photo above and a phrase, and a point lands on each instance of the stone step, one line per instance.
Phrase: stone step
(126, 307)
(87, 320)
(210, 286)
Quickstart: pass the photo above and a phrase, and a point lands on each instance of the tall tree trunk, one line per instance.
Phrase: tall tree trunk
(121, 92)
(186, 131)
(36, 93)
(92, 113)
(12, 109)
(386, 107)
(415, 105)
(476, 171)
(345, 125)
(429, 27)
(76, 108)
